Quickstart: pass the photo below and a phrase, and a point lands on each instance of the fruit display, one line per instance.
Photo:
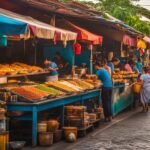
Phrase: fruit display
(29, 92)
(50, 90)
(18, 68)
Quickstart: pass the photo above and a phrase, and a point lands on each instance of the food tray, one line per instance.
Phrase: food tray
(24, 99)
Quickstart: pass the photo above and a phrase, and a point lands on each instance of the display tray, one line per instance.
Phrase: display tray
(24, 99)
(29, 74)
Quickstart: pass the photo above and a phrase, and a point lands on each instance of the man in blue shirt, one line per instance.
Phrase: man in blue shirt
(52, 67)
(105, 77)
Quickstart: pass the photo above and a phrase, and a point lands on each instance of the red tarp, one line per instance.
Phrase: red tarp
(82, 34)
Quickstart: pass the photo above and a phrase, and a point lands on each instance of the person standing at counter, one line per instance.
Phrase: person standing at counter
(105, 66)
(104, 76)
(113, 63)
(63, 65)
(127, 66)
(52, 67)
(139, 65)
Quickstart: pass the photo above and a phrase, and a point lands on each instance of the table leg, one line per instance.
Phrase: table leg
(99, 100)
(62, 116)
(34, 126)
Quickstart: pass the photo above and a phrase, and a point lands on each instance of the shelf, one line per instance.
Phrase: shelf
(21, 75)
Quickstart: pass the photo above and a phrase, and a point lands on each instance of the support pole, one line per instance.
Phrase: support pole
(91, 61)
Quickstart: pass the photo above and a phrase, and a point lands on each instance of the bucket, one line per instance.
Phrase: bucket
(137, 88)
(68, 131)
(45, 139)
(4, 138)
(42, 126)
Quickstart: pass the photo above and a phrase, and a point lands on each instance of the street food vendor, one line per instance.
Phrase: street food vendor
(104, 76)
(113, 63)
(52, 67)
(62, 64)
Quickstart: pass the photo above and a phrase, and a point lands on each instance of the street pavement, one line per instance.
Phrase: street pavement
(130, 134)
(128, 131)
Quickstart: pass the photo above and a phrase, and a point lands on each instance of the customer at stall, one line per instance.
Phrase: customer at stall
(105, 66)
(52, 67)
(134, 68)
(145, 91)
(104, 76)
(127, 66)
(113, 63)
(139, 65)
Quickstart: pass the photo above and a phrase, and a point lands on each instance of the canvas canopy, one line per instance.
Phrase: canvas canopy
(82, 34)
(40, 29)
(10, 26)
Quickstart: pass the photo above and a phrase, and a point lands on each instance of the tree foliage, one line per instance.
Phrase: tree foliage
(125, 11)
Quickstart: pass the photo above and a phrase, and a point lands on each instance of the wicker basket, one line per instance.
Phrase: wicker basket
(69, 130)
(45, 139)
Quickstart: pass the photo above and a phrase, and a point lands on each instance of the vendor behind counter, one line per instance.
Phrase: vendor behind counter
(52, 67)
(62, 64)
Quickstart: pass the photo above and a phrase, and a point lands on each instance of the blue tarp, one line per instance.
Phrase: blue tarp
(10, 26)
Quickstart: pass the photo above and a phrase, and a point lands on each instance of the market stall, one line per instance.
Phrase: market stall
(122, 91)
(23, 95)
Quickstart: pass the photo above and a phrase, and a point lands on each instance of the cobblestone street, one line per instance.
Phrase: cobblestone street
(127, 132)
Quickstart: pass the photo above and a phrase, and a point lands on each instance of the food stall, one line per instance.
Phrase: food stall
(33, 97)
(122, 91)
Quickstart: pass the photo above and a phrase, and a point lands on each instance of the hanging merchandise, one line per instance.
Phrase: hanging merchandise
(141, 52)
(77, 48)
(3, 40)
(137, 53)
(127, 40)
(141, 44)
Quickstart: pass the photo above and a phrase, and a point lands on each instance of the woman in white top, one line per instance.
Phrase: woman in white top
(145, 91)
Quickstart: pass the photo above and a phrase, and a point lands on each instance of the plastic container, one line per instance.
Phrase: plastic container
(4, 138)
(137, 88)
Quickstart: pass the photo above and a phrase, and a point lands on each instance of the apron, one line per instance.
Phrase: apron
(52, 78)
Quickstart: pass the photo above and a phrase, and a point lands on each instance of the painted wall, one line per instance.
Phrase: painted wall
(68, 54)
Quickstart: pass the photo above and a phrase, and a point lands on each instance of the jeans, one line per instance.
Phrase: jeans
(107, 101)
